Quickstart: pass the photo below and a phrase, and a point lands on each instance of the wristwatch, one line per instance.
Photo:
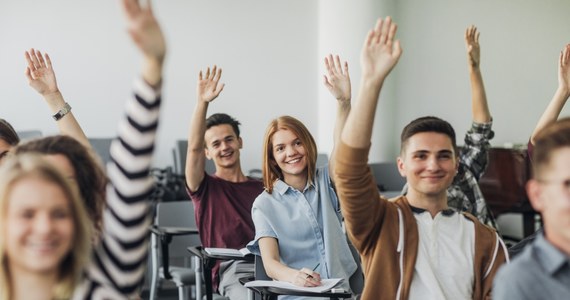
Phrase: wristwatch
(62, 112)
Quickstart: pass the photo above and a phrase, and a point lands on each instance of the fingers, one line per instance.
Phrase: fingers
(385, 29)
(207, 73)
(383, 33)
(334, 66)
(397, 48)
(131, 8)
(391, 34)
(220, 88)
(29, 60)
(48, 60)
(564, 57)
(214, 74)
(378, 30)
(328, 62)
(29, 74)
(327, 82)
(40, 59)
(219, 75)
(471, 34)
(306, 277)
(337, 65)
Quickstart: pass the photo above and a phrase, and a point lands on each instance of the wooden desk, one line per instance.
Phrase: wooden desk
(503, 185)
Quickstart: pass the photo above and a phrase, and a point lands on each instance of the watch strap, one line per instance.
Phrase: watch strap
(62, 112)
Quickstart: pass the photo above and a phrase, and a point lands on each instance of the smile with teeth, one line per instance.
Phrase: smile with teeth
(294, 161)
(227, 154)
(43, 246)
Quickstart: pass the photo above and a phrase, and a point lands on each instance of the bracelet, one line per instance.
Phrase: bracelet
(62, 112)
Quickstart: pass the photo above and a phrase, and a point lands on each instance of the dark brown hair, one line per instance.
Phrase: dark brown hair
(427, 124)
(8, 134)
(90, 177)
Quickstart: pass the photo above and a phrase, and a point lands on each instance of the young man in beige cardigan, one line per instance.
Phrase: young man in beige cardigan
(414, 246)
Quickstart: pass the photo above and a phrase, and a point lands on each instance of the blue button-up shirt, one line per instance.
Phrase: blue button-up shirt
(307, 226)
(541, 271)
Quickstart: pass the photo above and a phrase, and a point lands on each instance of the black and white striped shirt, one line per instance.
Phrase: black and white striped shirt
(118, 263)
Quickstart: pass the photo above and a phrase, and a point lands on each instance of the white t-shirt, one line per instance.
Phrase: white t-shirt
(444, 264)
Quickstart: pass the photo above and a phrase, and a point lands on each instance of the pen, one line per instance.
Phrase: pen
(314, 269)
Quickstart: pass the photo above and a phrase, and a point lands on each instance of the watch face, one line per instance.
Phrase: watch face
(62, 112)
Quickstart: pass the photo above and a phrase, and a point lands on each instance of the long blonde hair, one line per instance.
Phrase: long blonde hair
(270, 169)
(73, 265)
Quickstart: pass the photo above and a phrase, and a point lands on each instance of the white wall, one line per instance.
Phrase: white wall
(267, 50)
(271, 53)
(520, 43)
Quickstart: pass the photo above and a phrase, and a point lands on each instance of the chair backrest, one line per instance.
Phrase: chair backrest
(259, 271)
(179, 154)
(102, 147)
(178, 214)
(28, 134)
(356, 281)
(322, 159)
(387, 176)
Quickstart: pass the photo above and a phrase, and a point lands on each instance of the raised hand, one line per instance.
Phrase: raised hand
(144, 29)
(564, 70)
(472, 45)
(208, 87)
(338, 79)
(380, 52)
(39, 72)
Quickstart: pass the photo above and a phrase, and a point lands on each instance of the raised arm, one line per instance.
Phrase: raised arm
(41, 78)
(338, 83)
(379, 55)
(208, 89)
(479, 107)
(119, 261)
(550, 115)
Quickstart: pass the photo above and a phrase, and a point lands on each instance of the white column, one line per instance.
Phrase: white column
(343, 25)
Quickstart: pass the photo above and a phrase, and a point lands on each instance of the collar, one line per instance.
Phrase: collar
(281, 187)
(549, 256)
(446, 212)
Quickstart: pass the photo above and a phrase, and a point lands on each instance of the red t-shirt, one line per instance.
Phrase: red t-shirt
(223, 214)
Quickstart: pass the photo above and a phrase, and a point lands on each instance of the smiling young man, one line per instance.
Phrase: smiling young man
(542, 270)
(414, 246)
(223, 201)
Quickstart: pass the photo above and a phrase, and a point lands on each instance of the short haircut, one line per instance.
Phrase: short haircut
(548, 140)
(89, 174)
(8, 134)
(221, 119)
(270, 169)
(427, 124)
(72, 267)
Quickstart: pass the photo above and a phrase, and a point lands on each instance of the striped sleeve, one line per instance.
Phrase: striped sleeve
(119, 260)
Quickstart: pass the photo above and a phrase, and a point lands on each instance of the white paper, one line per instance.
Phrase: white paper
(227, 252)
(326, 285)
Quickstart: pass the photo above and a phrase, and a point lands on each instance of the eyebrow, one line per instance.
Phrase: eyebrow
(445, 151)
(224, 138)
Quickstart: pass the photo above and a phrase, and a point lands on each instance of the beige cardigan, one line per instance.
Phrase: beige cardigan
(386, 235)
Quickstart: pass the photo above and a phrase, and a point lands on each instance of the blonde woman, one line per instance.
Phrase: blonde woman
(45, 231)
